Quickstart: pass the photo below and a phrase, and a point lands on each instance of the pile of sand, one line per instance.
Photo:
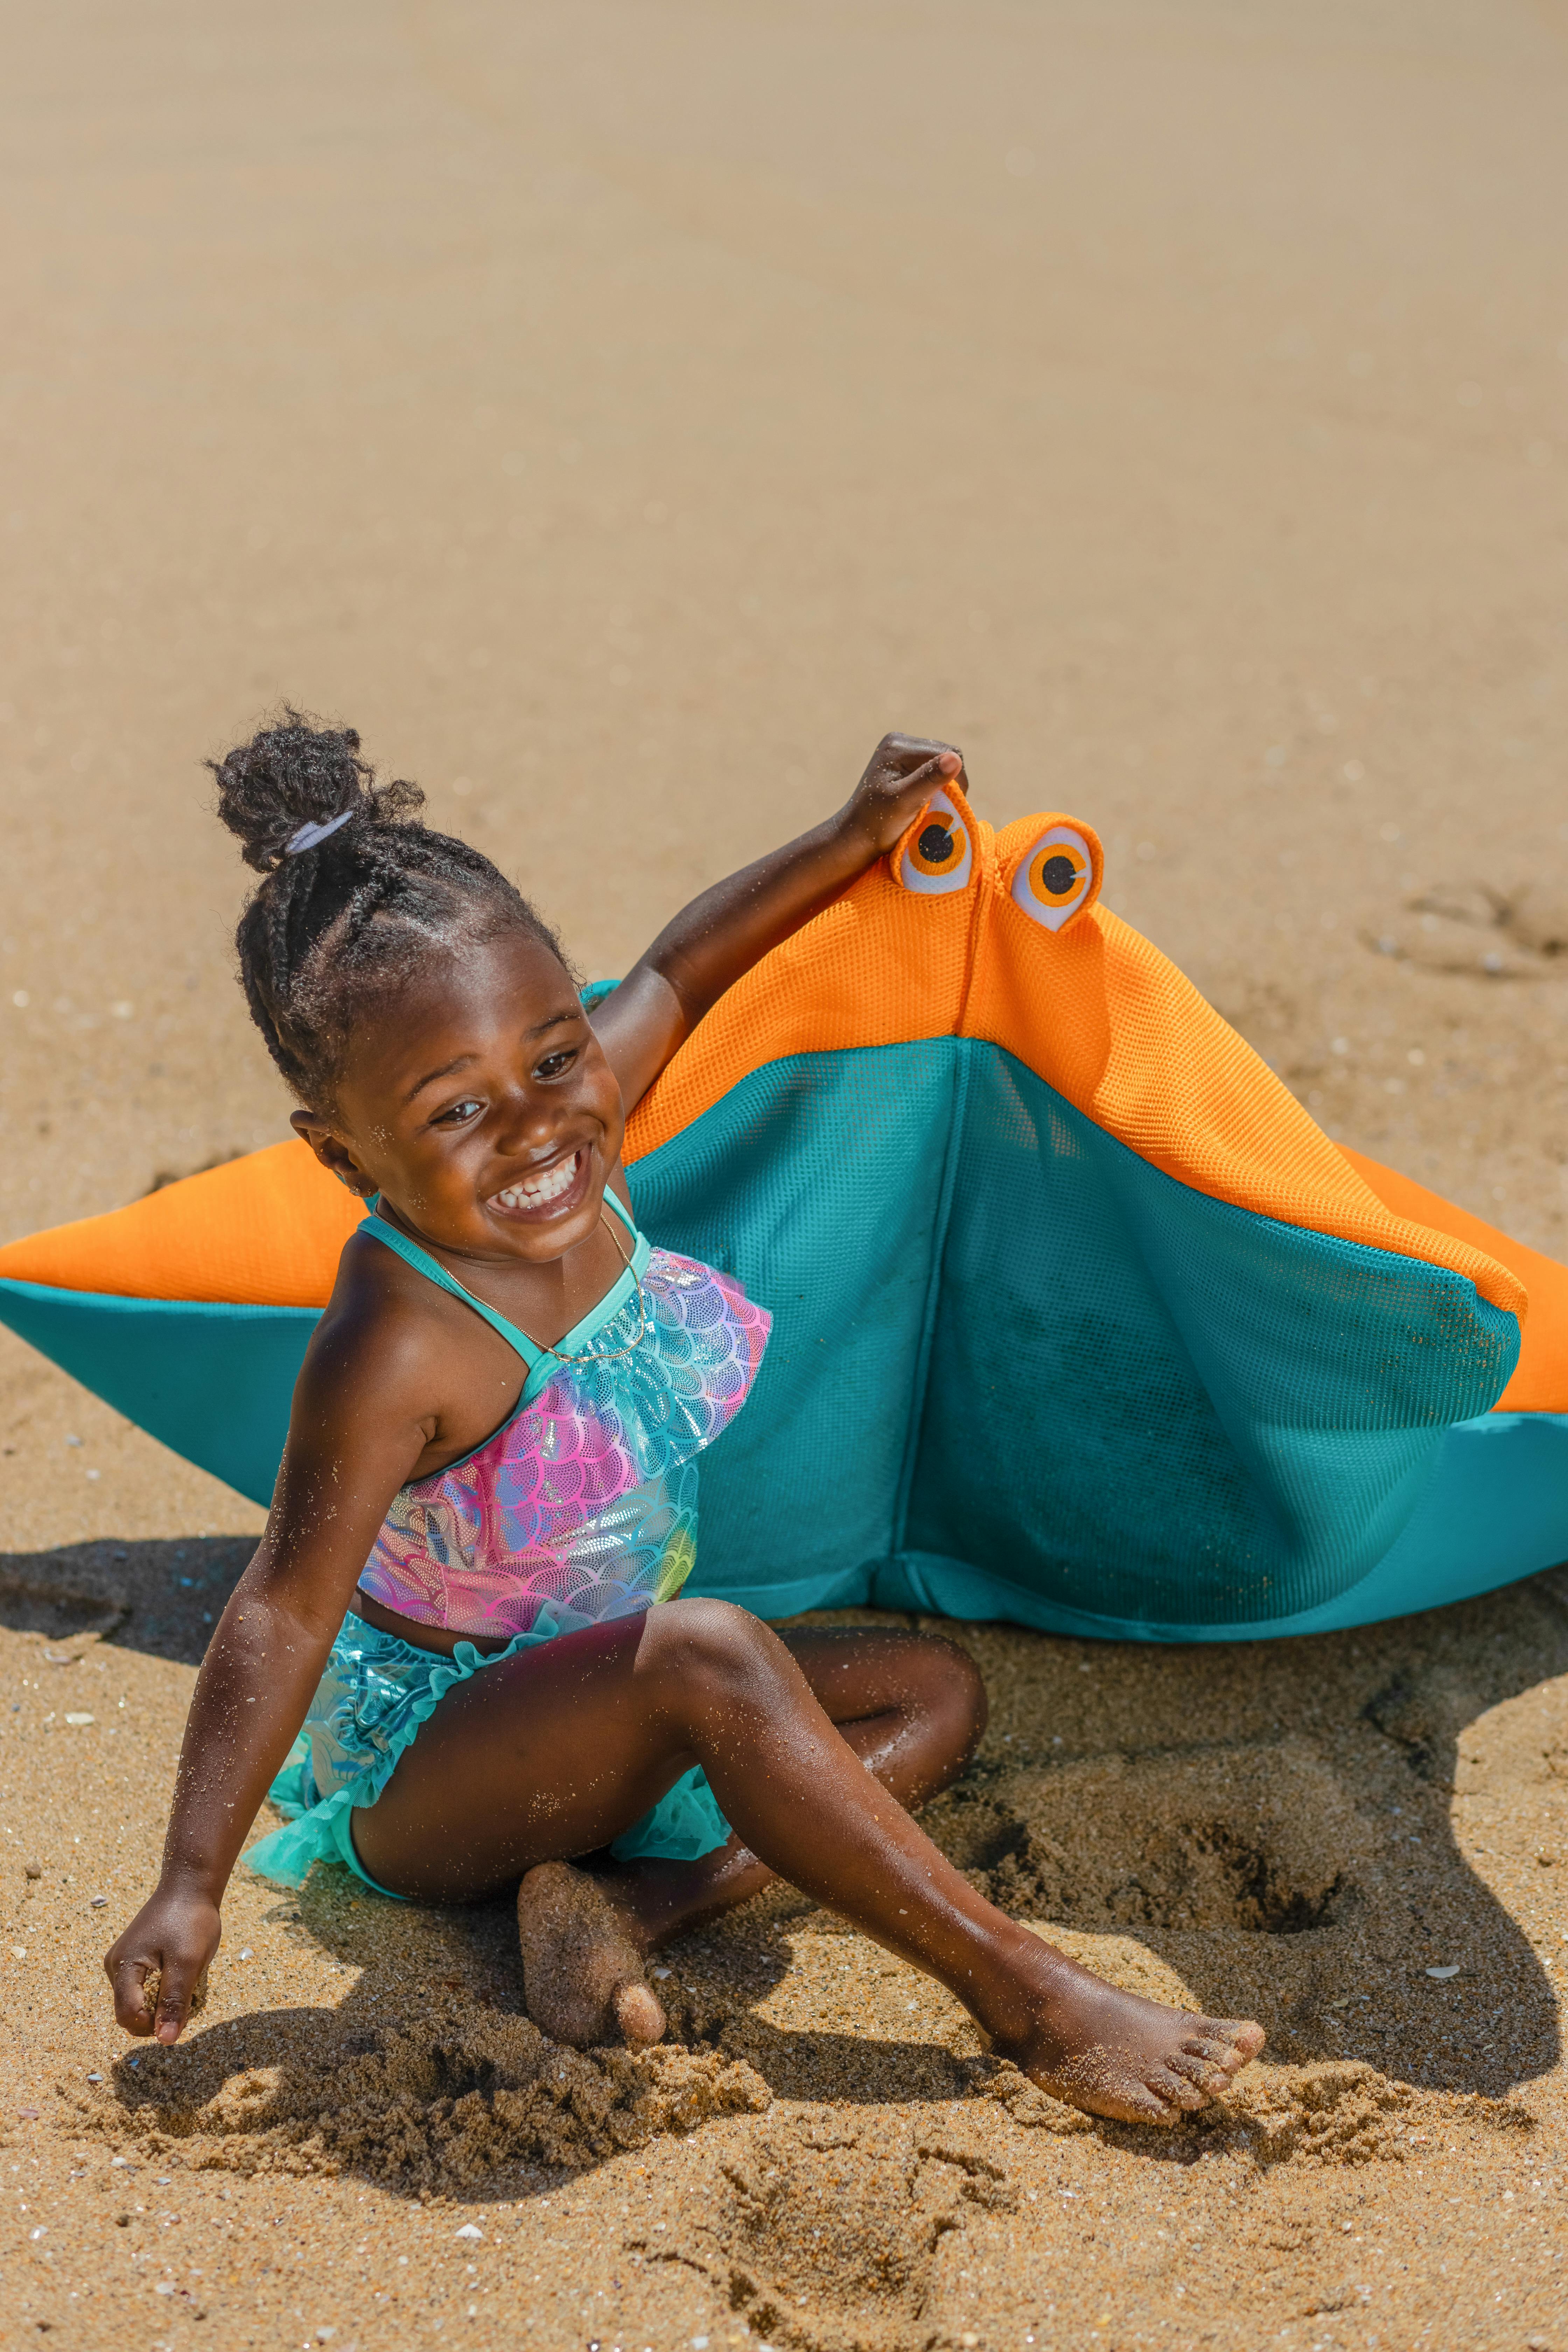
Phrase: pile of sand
(444, 2102)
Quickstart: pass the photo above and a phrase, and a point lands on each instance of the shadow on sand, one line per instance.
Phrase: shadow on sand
(1275, 1825)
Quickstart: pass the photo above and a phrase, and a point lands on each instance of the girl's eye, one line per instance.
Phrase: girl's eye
(456, 1114)
(553, 1063)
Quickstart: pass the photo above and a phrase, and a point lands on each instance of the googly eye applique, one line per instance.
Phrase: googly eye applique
(1059, 876)
(938, 854)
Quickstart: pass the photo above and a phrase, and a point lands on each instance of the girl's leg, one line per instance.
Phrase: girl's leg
(911, 1706)
(557, 1751)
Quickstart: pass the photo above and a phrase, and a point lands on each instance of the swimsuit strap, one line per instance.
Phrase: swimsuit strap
(414, 1253)
(613, 1201)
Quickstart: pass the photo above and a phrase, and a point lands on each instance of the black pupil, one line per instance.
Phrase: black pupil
(1059, 874)
(936, 844)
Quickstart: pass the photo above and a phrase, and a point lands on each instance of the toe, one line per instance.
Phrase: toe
(1143, 2106)
(639, 2015)
(1240, 2033)
(1226, 2044)
(1195, 2067)
(1214, 2052)
(1174, 2090)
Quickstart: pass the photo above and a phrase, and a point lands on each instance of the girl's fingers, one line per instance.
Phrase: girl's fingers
(159, 1967)
(897, 758)
(900, 779)
(909, 793)
(175, 2002)
(152, 1996)
(128, 1978)
(904, 771)
(906, 756)
(946, 766)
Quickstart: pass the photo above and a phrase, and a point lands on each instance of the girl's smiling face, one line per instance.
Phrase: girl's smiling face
(478, 1104)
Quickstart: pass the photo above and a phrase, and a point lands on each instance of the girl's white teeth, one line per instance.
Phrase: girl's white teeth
(543, 1188)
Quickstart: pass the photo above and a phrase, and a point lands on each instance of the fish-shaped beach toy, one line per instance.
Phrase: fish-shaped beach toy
(1079, 1321)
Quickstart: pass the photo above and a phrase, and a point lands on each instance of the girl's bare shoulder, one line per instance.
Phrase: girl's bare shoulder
(393, 1344)
(385, 1326)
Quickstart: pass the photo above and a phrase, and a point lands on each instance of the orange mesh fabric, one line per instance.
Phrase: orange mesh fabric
(263, 1230)
(1093, 1009)
(1539, 1382)
(877, 968)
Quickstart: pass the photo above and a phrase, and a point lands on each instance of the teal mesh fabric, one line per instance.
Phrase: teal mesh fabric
(826, 1177)
(1004, 1342)
(214, 1382)
(1227, 1417)
(1494, 1507)
(1014, 1372)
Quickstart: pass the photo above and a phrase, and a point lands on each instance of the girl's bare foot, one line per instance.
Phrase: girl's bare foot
(1117, 2054)
(582, 1963)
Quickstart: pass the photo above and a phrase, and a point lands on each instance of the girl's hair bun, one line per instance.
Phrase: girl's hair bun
(297, 773)
(363, 898)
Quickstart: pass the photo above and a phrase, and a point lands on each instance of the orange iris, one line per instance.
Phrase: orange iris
(1056, 871)
(939, 845)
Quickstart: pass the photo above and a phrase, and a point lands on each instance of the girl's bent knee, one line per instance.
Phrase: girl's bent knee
(713, 1640)
(961, 1687)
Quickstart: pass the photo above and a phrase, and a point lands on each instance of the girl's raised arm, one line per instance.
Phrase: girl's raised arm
(722, 934)
(354, 1436)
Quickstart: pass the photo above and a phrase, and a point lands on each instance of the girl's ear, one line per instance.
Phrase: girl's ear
(331, 1151)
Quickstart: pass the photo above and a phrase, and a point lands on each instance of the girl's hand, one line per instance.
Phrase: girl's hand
(172, 1938)
(903, 772)
(722, 934)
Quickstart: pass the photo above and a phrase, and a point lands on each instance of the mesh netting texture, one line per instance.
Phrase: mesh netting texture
(1004, 1339)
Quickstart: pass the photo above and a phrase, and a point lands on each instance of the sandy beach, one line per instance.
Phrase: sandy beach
(622, 415)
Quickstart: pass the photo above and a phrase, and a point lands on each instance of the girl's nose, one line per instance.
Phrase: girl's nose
(526, 1120)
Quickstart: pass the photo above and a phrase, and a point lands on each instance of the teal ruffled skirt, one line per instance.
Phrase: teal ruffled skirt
(372, 1699)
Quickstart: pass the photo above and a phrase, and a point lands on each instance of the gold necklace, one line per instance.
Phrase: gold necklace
(606, 1355)
(583, 1355)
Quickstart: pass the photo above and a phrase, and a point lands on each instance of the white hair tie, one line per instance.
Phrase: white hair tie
(310, 836)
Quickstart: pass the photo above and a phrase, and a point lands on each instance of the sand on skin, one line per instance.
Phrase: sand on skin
(623, 414)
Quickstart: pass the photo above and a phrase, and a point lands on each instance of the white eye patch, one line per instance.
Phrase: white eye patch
(938, 855)
(1055, 877)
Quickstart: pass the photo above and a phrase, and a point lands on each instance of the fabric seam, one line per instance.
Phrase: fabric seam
(921, 1370)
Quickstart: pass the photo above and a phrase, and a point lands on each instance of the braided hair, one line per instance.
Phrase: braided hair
(347, 912)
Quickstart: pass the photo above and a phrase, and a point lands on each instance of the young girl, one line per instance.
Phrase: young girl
(491, 1469)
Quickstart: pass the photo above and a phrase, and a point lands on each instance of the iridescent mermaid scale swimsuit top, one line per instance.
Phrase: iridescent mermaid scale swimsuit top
(586, 1496)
